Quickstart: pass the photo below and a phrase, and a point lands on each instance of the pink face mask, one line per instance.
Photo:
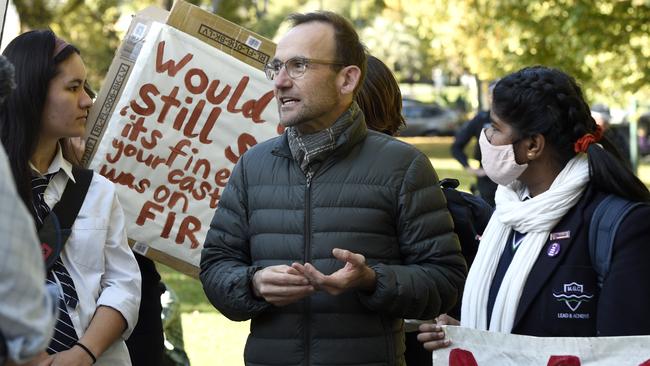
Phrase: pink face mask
(499, 161)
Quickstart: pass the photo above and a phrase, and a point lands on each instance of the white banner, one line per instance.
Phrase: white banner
(471, 347)
(187, 113)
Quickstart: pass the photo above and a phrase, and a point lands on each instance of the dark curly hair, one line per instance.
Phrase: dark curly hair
(546, 101)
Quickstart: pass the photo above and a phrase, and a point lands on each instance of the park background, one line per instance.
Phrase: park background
(442, 51)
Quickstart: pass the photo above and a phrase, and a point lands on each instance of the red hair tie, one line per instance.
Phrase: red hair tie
(587, 139)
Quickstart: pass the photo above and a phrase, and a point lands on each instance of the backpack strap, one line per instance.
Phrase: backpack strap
(470, 215)
(58, 224)
(73, 197)
(605, 221)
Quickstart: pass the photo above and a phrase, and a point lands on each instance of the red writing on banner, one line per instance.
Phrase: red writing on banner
(197, 82)
(188, 105)
(189, 224)
(250, 109)
(195, 178)
(244, 142)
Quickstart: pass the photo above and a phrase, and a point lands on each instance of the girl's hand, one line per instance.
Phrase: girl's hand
(75, 356)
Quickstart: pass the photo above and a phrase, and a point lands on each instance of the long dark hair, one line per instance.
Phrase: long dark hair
(546, 101)
(380, 98)
(32, 54)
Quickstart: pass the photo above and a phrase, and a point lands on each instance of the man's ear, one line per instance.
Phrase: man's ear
(349, 78)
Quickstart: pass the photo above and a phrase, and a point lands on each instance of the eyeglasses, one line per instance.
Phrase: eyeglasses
(295, 66)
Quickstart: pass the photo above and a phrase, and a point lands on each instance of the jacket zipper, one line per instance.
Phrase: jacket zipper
(310, 175)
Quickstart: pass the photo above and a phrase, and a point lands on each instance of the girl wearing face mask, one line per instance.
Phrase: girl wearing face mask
(96, 276)
(553, 168)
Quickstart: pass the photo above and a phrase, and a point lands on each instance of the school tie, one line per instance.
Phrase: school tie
(39, 184)
(64, 334)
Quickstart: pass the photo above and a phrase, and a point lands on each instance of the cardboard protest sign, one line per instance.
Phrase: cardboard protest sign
(117, 76)
(226, 36)
(186, 114)
(475, 347)
(3, 15)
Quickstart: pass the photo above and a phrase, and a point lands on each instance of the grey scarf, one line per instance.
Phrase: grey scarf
(314, 148)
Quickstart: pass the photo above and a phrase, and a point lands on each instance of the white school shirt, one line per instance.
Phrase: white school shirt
(98, 257)
(27, 314)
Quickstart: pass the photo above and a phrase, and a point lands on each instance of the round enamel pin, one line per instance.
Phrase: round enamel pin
(553, 250)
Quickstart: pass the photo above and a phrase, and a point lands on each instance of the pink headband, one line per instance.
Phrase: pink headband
(59, 45)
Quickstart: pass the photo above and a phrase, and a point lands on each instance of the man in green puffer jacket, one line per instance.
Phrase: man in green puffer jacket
(329, 235)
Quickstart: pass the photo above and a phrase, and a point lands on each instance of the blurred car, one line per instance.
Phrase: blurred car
(424, 119)
(408, 102)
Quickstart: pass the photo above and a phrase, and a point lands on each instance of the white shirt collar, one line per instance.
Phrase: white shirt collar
(58, 163)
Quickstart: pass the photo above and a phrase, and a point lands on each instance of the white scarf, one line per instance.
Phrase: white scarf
(535, 217)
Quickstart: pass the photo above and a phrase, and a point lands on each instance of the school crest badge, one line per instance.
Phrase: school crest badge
(573, 295)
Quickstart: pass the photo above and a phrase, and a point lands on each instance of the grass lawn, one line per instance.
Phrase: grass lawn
(211, 339)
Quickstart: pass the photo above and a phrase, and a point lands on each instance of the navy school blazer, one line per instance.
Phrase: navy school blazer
(561, 297)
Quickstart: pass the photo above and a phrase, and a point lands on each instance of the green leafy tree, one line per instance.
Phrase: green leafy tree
(36, 14)
(89, 25)
(604, 44)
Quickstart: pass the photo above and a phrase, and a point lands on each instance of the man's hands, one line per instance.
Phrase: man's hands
(282, 285)
(355, 274)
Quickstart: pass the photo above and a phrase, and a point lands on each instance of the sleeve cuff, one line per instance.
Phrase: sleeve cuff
(124, 302)
(258, 304)
(385, 289)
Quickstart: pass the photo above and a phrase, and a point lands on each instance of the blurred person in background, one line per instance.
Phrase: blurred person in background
(554, 168)
(643, 133)
(27, 312)
(620, 139)
(146, 343)
(96, 275)
(471, 130)
(175, 354)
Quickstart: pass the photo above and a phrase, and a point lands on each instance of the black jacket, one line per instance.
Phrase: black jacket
(470, 130)
(373, 195)
(561, 297)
